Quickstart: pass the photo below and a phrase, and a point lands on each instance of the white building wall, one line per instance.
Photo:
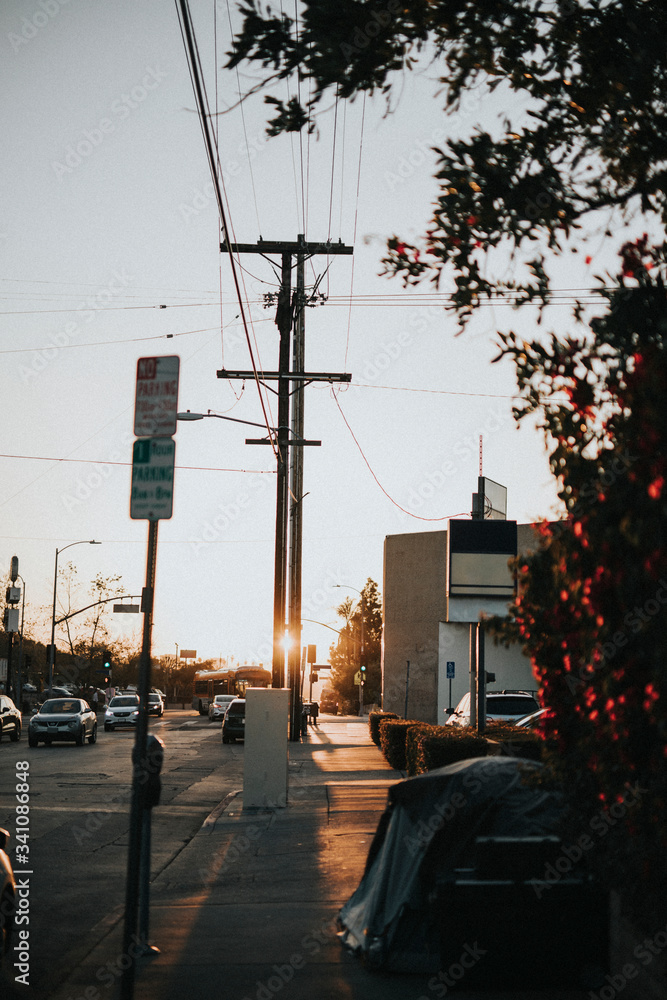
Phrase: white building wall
(414, 612)
(511, 667)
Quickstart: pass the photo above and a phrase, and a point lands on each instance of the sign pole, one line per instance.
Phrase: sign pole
(151, 498)
(132, 947)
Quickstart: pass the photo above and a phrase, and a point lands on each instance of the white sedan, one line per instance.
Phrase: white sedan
(218, 707)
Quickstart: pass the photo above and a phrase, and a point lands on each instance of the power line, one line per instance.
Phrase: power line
(245, 132)
(104, 461)
(187, 33)
(418, 517)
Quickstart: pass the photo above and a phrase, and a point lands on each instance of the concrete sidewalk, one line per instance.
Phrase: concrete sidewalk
(248, 909)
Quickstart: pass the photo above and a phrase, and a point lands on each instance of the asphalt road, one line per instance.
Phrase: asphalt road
(76, 861)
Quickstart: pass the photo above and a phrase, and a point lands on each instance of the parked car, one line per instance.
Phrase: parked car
(122, 710)
(233, 724)
(7, 897)
(63, 720)
(218, 707)
(329, 702)
(501, 706)
(155, 705)
(10, 719)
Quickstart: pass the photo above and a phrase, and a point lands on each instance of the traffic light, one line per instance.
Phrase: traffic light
(106, 664)
(362, 670)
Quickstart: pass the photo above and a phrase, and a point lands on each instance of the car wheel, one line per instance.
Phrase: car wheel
(108, 728)
(93, 736)
(225, 739)
(32, 742)
(16, 735)
(81, 736)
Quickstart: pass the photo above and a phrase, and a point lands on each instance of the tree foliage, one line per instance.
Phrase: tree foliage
(588, 80)
(88, 634)
(345, 655)
(592, 609)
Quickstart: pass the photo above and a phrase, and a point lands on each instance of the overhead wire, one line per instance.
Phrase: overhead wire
(243, 122)
(342, 171)
(304, 213)
(354, 231)
(105, 461)
(418, 517)
(196, 76)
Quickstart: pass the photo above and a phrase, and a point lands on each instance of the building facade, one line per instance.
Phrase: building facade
(418, 642)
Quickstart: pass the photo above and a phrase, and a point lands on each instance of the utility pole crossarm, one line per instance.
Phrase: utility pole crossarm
(295, 247)
(292, 376)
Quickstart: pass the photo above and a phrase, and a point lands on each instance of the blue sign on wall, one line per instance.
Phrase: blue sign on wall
(450, 669)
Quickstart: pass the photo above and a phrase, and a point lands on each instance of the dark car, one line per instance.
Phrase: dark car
(123, 710)
(10, 719)
(329, 702)
(7, 897)
(233, 724)
(69, 720)
(54, 692)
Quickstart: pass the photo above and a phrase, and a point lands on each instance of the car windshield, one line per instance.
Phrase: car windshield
(517, 705)
(124, 701)
(154, 697)
(236, 708)
(60, 707)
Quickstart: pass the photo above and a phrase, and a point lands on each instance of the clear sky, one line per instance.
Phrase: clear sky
(108, 216)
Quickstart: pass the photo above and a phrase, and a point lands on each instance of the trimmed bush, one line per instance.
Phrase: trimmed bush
(525, 743)
(374, 720)
(393, 734)
(414, 754)
(447, 744)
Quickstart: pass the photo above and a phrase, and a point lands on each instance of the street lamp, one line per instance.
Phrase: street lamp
(362, 664)
(187, 415)
(52, 647)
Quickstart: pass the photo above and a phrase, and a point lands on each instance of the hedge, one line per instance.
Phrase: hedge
(414, 747)
(528, 744)
(393, 735)
(414, 754)
(447, 744)
(374, 720)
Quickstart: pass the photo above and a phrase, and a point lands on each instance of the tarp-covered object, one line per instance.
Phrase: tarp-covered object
(427, 831)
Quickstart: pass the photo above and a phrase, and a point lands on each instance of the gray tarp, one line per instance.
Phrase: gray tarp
(426, 832)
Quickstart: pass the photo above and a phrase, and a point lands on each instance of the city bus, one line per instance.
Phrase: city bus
(208, 683)
(254, 677)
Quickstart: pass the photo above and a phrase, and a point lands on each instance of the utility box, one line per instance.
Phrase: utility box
(265, 770)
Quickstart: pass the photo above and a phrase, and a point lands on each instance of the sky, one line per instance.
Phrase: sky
(109, 239)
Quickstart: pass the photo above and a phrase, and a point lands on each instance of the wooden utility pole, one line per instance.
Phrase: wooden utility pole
(292, 379)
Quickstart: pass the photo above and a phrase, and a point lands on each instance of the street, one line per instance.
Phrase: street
(75, 870)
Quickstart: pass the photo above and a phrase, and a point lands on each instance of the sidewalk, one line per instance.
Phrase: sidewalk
(248, 908)
(247, 911)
